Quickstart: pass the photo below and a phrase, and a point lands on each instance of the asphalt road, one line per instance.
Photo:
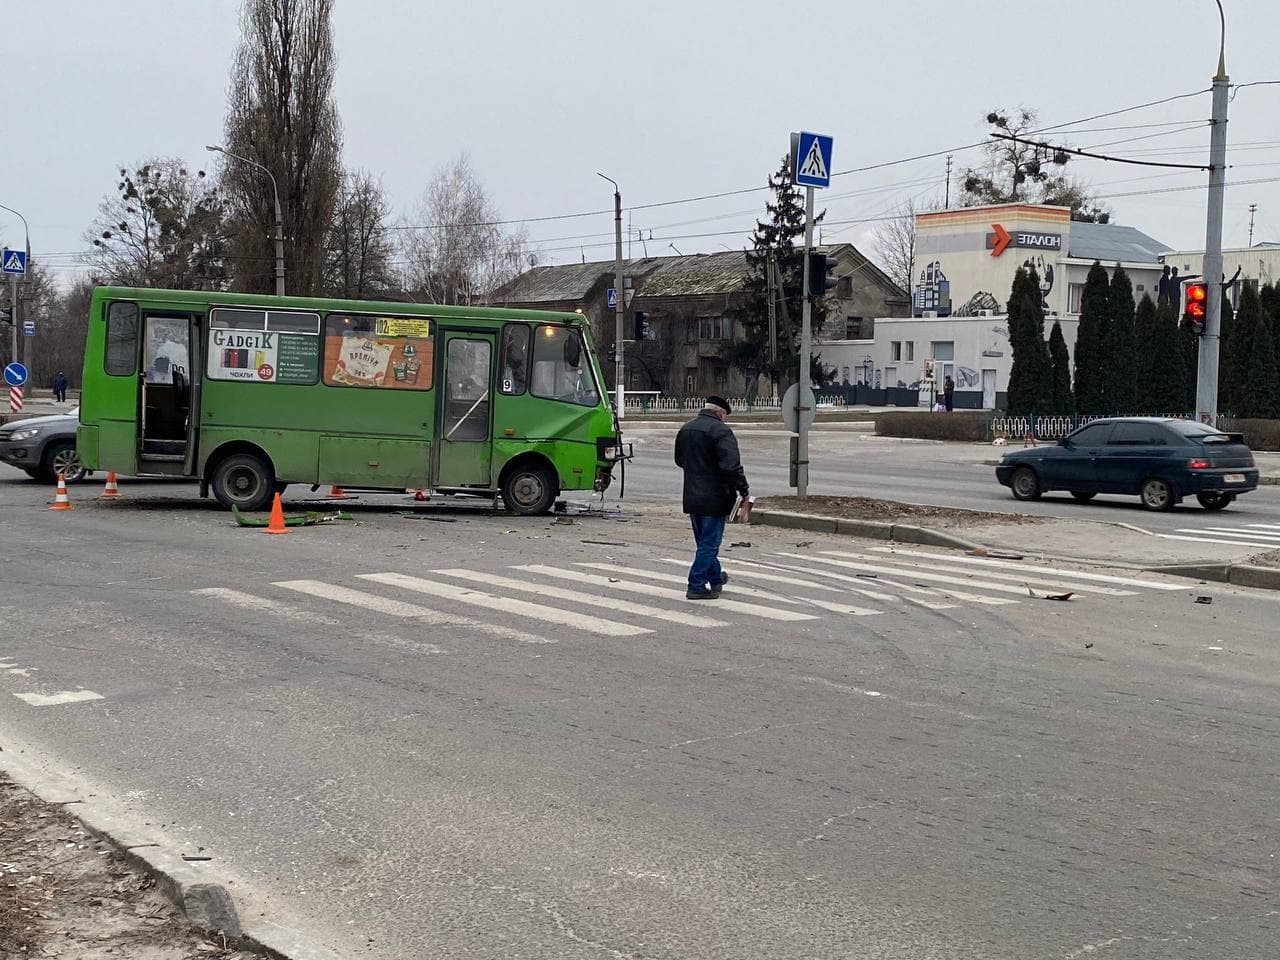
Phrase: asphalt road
(855, 462)
(922, 762)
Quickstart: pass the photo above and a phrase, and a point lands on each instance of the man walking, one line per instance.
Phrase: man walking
(60, 387)
(707, 452)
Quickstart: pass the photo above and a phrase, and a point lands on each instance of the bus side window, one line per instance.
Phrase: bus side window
(515, 359)
(121, 358)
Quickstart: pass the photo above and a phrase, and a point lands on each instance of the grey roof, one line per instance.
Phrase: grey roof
(571, 281)
(696, 275)
(1112, 243)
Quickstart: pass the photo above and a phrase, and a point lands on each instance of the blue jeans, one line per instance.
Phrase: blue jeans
(707, 533)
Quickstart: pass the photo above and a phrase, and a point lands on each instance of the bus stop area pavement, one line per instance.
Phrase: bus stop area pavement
(490, 736)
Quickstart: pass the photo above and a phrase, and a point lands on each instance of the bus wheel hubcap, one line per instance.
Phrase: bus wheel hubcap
(528, 489)
(243, 483)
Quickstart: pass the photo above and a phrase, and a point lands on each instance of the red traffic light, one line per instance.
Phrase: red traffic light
(1197, 293)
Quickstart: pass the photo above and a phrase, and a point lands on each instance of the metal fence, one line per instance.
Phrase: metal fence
(1057, 426)
(651, 404)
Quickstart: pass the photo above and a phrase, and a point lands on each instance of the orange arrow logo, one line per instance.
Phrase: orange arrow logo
(1001, 240)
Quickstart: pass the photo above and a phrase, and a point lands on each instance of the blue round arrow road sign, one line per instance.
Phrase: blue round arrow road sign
(15, 374)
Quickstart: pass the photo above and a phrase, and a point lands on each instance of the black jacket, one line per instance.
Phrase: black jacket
(707, 452)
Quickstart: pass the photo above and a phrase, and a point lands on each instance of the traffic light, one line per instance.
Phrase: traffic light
(1193, 311)
(642, 325)
(820, 269)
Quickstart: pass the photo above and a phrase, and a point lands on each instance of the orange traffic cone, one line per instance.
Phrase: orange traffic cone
(276, 525)
(60, 500)
(111, 489)
(337, 493)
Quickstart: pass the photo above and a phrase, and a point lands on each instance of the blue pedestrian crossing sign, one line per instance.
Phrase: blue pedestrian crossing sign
(14, 261)
(15, 374)
(811, 159)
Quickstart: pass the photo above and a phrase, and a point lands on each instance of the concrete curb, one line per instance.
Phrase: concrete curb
(194, 888)
(1236, 574)
(867, 529)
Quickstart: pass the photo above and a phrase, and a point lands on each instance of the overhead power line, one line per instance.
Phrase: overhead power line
(1095, 156)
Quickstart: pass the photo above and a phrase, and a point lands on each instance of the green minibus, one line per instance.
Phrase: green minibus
(246, 394)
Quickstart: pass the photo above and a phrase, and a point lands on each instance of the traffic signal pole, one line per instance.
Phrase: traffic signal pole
(806, 317)
(1207, 369)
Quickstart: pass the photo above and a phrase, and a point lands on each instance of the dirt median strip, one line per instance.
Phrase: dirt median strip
(887, 511)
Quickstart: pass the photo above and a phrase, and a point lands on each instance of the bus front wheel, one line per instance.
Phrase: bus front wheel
(529, 490)
(244, 480)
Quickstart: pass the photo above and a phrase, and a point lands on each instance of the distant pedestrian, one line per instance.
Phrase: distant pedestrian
(949, 394)
(707, 452)
(60, 387)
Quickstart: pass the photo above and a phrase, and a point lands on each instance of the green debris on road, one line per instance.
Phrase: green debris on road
(309, 519)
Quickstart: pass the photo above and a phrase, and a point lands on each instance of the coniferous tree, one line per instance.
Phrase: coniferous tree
(1233, 358)
(1118, 360)
(1189, 353)
(1031, 378)
(1166, 392)
(1257, 388)
(1060, 361)
(1090, 337)
(1269, 297)
(1144, 340)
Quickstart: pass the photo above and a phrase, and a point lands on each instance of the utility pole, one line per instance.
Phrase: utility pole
(946, 203)
(13, 287)
(1207, 370)
(1253, 208)
(806, 311)
(275, 195)
(770, 268)
(619, 302)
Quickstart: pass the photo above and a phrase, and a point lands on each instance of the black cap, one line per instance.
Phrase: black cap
(720, 402)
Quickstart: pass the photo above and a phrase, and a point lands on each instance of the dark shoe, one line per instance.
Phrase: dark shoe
(724, 580)
(702, 595)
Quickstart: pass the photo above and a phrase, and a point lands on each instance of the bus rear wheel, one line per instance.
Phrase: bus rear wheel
(244, 480)
(529, 490)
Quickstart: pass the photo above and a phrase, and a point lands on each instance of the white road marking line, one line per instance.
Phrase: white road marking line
(760, 574)
(1036, 568)
(1236, 532)
(576, 596)
(684, 581)
(648, 589)
(1264, 526)
(247, 601)
(925, 575)
(831, 605)
(523, 608)
(54, 699)
(1230, 543)
(856, 585)
(408, 611)
(880, 571)
(994, 575)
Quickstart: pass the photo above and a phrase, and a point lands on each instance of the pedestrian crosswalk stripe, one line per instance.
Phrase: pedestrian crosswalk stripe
(1221, 540)
(829, 605)
(523, 608)
(1026, 579)
(752, 592)
(648, 589)
(855, 584)
(1250, 535)
(1035, 568)
(247, 601)
(920, 574)
(588, 599)
(742, 566)
(880, 571)
(1264, 526)
(398, 608)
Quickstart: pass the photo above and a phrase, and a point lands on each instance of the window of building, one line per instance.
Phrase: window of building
(1141, 288)
(943, 349)
(715, 328)
(691, 331)
(394, 353)
(515, 359)
(844, 288)
(910, 354)
(690, 381)
(852, 328)
(1075, 293)
(264, 346)
(561, 369)
(121, 358)
(895, 349)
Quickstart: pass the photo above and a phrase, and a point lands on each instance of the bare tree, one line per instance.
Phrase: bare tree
(894, 243)
(62, 321)
(457, 252)
(162, 226)
(281, 114)
(360, 248)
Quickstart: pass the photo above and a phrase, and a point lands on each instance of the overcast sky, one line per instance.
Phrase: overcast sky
(672, 99)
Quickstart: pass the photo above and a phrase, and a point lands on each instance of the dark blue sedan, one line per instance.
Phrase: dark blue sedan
(1161, 461)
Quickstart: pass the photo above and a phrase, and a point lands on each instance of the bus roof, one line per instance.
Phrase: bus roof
(193, 298)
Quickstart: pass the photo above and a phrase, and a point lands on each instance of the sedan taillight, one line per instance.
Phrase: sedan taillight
(1199, 463)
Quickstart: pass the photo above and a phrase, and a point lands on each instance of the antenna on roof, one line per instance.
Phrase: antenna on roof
(673, 247)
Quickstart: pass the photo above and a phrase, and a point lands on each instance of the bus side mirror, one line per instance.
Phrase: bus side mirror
(572, 350)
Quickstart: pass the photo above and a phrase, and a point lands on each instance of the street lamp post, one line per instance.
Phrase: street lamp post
(13, 288)
(619, 300)
(275, 193)
(1207, 367)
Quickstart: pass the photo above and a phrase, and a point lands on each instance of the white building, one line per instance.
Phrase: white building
(1258, 265)
(964, 264)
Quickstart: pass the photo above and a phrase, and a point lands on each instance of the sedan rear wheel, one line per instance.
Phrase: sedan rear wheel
(1025, 484)
(1214, 501)
(1157, 495)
